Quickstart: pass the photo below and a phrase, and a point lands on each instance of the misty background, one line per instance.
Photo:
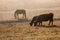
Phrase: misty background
(32, 7)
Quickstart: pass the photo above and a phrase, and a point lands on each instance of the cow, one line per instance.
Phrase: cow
(33, 20)
(21, 11)
(44, 17)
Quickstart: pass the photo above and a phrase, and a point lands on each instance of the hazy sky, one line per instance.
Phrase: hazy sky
(29, 4)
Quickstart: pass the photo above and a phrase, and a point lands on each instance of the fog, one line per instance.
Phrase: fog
(28, 4)
(32, 7)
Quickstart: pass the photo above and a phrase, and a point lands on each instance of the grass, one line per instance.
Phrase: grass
(23, 31)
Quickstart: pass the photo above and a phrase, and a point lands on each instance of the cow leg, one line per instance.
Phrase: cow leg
(41, 23)
(38, 23)
(49, 23)
(17, 16)
(24, 15)
(52, 22)
(35, 23)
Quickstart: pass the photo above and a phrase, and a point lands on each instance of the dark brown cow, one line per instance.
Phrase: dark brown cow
(44, 17)
(34, 19)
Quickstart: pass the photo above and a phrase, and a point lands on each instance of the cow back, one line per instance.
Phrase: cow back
(45, 17)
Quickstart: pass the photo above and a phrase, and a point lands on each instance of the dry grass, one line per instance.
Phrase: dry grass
(22, 31)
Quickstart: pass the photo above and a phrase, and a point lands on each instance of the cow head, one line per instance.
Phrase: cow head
(31, 24)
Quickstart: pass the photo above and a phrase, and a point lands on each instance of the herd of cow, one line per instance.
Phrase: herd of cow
(40, 18)
(36, 19)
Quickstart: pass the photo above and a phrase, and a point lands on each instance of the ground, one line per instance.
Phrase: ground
(23, 31)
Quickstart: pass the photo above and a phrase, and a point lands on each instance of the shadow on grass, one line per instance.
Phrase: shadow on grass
(47, 26)
(15, 21)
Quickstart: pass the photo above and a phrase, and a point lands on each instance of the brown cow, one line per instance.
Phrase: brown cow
(43, 17)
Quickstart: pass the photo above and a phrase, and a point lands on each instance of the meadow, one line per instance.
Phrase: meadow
(21, 30)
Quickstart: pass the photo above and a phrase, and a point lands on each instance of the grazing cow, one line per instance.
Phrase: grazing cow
(33, 20)
(17, 12)
(44, 17)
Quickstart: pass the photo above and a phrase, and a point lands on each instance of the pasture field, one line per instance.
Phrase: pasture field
(13, 29)
(23, 31)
